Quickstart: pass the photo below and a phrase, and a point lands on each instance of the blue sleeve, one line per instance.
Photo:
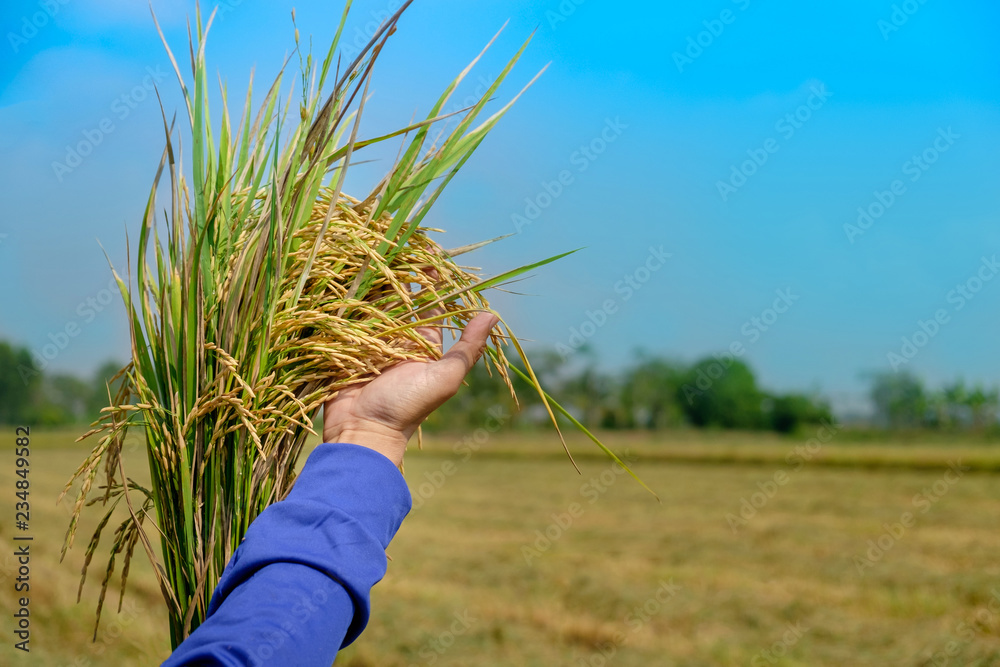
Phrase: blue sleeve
(296, 590)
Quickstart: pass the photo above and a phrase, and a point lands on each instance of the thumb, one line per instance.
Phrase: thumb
(462, 356)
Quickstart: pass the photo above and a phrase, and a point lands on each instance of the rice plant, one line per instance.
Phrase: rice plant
(260, 290)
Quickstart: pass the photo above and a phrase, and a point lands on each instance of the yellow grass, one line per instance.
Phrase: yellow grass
(462, 552)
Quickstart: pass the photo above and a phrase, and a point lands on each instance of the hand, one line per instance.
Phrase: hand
(384, 413)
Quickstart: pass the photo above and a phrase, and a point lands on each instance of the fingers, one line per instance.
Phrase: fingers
(433, 333)
(462, 356)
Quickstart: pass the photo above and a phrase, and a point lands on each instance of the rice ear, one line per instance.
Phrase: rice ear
(270, 290)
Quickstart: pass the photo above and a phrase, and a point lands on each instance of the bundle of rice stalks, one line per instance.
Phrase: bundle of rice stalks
(271, 291)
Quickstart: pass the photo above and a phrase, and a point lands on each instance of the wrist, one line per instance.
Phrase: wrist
(388, 442)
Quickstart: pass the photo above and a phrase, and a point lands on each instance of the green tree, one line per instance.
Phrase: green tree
(97, 396)
(593, 396)
(899, 399)
(790, 412)
(648, 394)
(722, 393)
(20, 380)
(64, 400)
(949, 405)
(983, 405)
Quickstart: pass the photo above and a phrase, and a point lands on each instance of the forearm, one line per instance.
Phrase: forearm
(297, 589)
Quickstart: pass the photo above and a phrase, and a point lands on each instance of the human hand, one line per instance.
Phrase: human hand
(382, 414)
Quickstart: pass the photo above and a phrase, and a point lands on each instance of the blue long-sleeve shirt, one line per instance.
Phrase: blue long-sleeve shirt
(296, 590)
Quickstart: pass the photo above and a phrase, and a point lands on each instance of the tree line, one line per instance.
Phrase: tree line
(652, 392)
(31, 397)
(716, 391)
(902, 401)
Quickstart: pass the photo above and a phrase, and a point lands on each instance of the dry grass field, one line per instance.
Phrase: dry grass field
(510, 558)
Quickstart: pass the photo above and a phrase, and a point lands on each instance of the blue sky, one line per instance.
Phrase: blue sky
(739, 138)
